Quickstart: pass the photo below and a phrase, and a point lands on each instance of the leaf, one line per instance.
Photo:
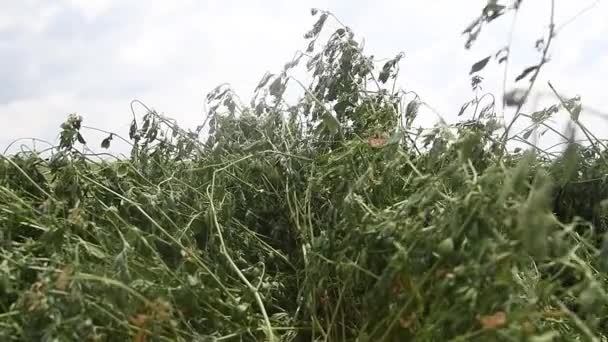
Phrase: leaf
(493, 11)
(276, 87)
(479, 65)
(264, 80)
(293, 63)
(316, 29)
(446, 246)
(495, 321)
(471, 26)
(411, 111)
(105, 143)
(575, 111)
(132, 129)
(311, 46)
(528, 133)
(383, 77)
(463, 108)
(502, 55)
(122, 170)
(526, 72)
(81, 139)
(331, 123)
(570, 161)
(377, 142)
(314, 11)
(539, 44)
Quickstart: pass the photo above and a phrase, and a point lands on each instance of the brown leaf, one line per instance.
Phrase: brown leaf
(140, 336)
(495, 321)
(377, 140)
(406, 322)
(63, 279)
(139, 320)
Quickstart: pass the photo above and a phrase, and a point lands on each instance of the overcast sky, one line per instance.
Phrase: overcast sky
(94, 56)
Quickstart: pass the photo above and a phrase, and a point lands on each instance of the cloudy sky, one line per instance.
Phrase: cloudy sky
(94, 56)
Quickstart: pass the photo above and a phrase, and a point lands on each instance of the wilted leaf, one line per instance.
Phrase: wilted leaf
(411, 111)
(463, 108)
(264, 80)
(276, 87)
(539, 44)
(63, 279)
(383, 77)
(105, 143)
(471, 26)
(502, 55)
(311, 46)
(81, 139)
(132, 129)
(316, 29)
(575, 111)
(495, 321)
(493, 11)
(377, 142)
(526, 72)
(479, 65)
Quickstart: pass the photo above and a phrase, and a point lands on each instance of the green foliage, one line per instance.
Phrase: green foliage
(330, 219)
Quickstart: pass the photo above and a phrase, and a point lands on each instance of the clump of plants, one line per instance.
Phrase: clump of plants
(332, 219)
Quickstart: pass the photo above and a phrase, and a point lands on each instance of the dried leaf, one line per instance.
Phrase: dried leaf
(377, 141)
(63, 280)
(495, 321)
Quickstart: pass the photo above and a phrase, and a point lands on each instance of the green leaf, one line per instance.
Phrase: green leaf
(122, 170)
(446, 246)
(331, 123)
(528, 133)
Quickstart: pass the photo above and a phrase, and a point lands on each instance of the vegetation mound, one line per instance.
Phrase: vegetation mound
(333, 219)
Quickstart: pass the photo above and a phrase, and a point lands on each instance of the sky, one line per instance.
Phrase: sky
(93, 57)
